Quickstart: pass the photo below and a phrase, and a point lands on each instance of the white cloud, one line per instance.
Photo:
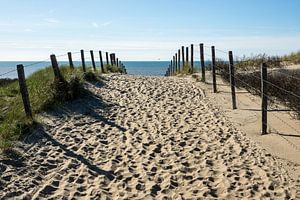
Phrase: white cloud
(51, 20)
(106, 23)
(95, 25)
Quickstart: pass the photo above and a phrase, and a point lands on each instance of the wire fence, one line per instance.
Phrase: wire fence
(213, 63)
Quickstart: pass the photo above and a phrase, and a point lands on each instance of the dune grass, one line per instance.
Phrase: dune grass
(249, 77)
(293, 58)
(42, 94)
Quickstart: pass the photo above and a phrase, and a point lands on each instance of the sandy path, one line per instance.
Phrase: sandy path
(142, 138)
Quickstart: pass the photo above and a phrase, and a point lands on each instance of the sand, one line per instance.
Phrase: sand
(142, 138)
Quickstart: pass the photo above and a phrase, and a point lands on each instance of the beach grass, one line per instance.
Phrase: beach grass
(42, 94)
(283, 84)
(292, 58)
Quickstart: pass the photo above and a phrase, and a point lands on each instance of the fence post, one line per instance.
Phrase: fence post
(101, 61)
(192, 58)
(24, 91)
(202, 62)
(56, 70)
(174, 71)
(183, 60)
(179, 60)
(171, 66)
(187, 56)
(70, 60)
(232, 79)
(93, 60)
(176, 63)
(107, 61)
(111, 59)
(82, 60)
(213, 54)
(264, 105)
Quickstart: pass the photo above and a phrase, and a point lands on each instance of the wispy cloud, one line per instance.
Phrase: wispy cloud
(51, 20)
(95, 25)
(106, 23)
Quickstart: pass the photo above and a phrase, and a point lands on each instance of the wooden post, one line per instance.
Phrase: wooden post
(264, 105)
(70, 60)
(171, 66)
(179, 60)
(232, 80)
(82, 60)
(192, 58)
(56, 70)
(176, 63)
(111, 59)
(187, 56)
(107, 61)
(182, 51)
(202, 61)
(101, 61)
(213, 54)
(117, 62)
(24, 91)
(93, 60)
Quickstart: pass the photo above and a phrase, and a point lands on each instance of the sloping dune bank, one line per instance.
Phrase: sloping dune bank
(142, 138)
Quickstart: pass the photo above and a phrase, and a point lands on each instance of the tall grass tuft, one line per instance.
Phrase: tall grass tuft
(248, 77)
(43, 91)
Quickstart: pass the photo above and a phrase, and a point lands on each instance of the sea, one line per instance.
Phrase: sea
(143, 68)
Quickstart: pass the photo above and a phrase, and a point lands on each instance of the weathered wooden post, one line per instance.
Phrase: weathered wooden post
(179, 60)
(192, 58)
(93, 60)
(171, 66)
(82, 60)
(111, 59)
(213, 55)
(176, 63)
(232, 79)
(70, 60)
(264, 104)
(56, 70)
(187, 57)
(202, 61)
(183, 60)
(107, 61)
(24, 91)
(101, 61)
(117, 62)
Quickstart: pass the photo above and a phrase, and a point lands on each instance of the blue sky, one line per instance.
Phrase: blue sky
(146, 29)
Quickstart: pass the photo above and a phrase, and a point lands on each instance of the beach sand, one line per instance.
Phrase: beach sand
(142, 138)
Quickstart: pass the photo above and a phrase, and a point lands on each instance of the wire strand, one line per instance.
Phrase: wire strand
(5, 73)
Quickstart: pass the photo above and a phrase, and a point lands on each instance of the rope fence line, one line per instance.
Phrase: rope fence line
(273, 114)
(48, 60)
(58, 76)
(232, 76)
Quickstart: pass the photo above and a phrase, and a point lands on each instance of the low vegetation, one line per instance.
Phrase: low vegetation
(283, 83)
(293, 58)
(44, 92)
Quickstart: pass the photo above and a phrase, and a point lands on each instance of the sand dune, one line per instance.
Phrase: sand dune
(142, 138)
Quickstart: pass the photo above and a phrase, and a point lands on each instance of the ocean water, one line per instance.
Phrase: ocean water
(144, 68)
